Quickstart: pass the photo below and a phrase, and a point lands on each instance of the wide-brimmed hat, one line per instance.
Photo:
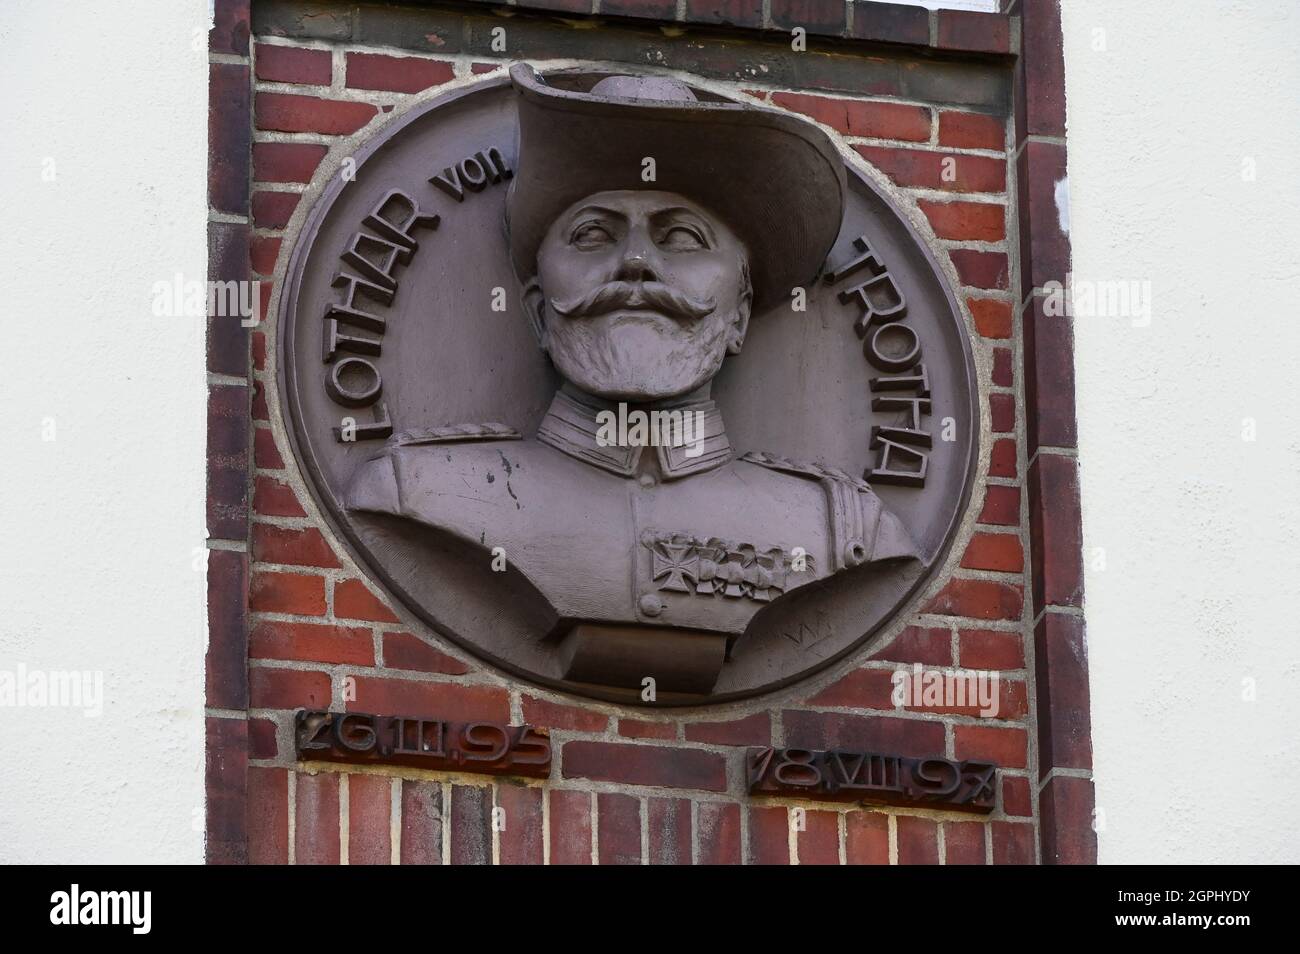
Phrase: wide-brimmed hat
(776, 180)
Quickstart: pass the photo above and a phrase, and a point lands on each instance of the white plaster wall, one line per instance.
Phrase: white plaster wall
(100, 525)
(1199, 526)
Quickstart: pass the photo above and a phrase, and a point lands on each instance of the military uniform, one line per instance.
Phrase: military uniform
(649, 536)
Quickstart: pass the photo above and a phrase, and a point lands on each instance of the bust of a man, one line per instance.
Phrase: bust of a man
(629, 511)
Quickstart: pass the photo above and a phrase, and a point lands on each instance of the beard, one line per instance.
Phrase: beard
(637, 357)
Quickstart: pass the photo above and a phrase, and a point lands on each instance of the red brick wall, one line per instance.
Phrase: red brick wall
(627, 786)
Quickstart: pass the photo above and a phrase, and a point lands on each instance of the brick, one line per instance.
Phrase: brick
(963, 843)
(827, 72)
(421, 842)
(1064, 710)
(541, 712)
(228, 137)
(918, 841)
(257, 344)
(967, 221)
(823, 17)
(719, 833)
(405, 651)
(560, 6)
(657, 765)
(1003, 461)
(1003, 373)
(293, 64)
(308, 547)
(1055, 531)
(296, 593)
(262, 742)
(227, 450)
(422, 30)
(639, 729)
(570, 827)
(1065, 812)
(268, 816)
(312, 642)
(976, 269)
(1013, 843)
(1040, 107)
(316, 819)
(919, 644)
(263, 251)
(769, 835)
(289, 112)
(271, 498)
(990, 649)
(856, 733)
(227, 338)
(288, 689)
(286, 161)
(226, 667)
(521, 838)
(866, 838)
(751, 730)
(353, 600)
(974, 32)
(860, 689)
(858, 118)
(978, 599)
(1049, 379)
(478, 69)
(819, 842)
(668, 830)
(1005, 746)
(992, 316)
(994, 551)
(370, 809)
(260, 410)
(230, 27)
(647, 9)
(891, 23)
(922, 169)
(317, 22)
(471, 825)
(1016, 797)
(398, 74)
(1001, 506)
(971, 130)
(226, 765)
(273, 210)
(619, 825)
(451, 701)
(1002, 413)
(1044, 244)
(741, 13)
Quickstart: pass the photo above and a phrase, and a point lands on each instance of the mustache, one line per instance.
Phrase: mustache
(615, 295)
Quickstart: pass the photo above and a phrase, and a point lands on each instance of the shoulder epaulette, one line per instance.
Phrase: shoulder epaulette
(804, 468)
(452, 433)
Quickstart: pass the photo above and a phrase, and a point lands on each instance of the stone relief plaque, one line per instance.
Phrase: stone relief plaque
(609, 378)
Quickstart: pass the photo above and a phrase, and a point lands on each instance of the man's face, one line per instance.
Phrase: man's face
(643, 294)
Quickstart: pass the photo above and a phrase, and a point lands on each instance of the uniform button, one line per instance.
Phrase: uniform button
(646, 480)
(651, 604)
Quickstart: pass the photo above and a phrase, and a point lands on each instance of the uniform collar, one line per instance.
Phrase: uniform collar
(572, 427)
